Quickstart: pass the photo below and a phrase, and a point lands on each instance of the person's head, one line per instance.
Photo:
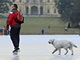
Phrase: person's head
(14, 6)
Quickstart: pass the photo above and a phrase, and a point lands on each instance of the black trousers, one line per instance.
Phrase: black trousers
(14, 34)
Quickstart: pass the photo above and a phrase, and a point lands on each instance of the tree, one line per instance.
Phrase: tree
(4, 6)
(13, 0)
(75, 18)
(65, 9)
(69, 11)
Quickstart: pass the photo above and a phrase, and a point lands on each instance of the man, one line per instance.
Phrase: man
(15, 28)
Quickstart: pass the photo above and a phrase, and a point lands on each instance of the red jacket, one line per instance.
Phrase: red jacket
(11, 18)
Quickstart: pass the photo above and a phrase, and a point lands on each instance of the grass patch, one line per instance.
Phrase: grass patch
(33, 25)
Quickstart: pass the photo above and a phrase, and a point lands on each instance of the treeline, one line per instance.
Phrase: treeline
(4, 6)
(69, 11)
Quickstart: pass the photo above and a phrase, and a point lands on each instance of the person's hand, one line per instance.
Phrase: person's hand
(7, 27)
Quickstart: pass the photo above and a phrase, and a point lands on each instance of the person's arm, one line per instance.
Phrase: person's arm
(9, 20)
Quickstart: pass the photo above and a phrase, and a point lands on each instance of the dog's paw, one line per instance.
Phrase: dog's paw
(72, 54)
(58, 54)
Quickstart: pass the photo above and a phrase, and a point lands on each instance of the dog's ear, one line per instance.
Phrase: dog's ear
(50, 39)
(53, 40)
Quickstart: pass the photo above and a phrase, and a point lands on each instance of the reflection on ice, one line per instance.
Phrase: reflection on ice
(36, 47)
(62, 57)
(15, 57)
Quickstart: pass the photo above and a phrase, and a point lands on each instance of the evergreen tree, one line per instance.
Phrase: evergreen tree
(65, 9)
(75, 18)
(4, 6)
(69, 11)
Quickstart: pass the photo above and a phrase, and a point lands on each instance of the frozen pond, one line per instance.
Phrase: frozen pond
(36, 47)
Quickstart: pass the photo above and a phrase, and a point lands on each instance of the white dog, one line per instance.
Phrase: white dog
(58, 44)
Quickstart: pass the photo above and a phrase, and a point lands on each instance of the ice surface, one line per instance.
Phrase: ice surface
(36, 47)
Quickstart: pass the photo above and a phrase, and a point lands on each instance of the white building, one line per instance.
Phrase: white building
(37, 7)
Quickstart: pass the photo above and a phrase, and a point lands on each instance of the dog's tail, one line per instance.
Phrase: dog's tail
(73, 44)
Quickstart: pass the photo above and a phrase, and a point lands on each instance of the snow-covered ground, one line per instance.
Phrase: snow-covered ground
(36, 47)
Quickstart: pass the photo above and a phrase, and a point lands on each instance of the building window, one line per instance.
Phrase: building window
(27, 0)
(34, 0)
(48, 0)
(27, 9)
(19, 0)
(48, 11)
(34, 10)
(54, 10)
(41, 0)
(41, 10)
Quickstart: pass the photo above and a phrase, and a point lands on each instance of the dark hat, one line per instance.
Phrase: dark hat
(15, 5)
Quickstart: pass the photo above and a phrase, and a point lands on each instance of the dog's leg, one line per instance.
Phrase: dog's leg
(71, 50)
(54, 51)
(66, 51)
(59, 51)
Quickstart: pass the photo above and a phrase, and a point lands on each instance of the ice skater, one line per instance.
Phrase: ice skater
(15, 28)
